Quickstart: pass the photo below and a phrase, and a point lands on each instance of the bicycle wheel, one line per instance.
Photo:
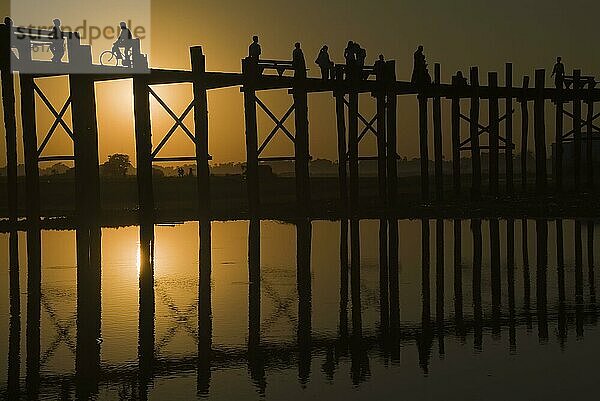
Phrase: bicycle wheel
(108, 58)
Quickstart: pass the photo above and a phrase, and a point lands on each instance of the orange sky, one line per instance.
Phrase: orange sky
(457, 34)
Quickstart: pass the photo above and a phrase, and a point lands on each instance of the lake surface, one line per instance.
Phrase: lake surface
(414, 309)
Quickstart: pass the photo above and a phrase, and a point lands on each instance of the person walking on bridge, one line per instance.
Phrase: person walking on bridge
(298, 62)
(254, 49)
(325, 64)
(57, 45)
(558, 72)
(420, 75)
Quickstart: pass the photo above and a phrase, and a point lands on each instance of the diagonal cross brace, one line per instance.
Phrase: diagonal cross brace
(58, 116)
(178, 121)
(275, 129)
(484, 129)
(279, 124)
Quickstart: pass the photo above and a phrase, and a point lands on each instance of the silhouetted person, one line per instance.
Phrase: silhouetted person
(361, 55)
(460, 79)
(298, 62)
(420, 75)
(379, 67)
(57, 46)
(350, 54)
(125, 40)
(254, 51)
(324, 63)
(558, 72)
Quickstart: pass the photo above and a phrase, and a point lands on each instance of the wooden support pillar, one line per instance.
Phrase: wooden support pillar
(381, 145)
(494, 134)
(201, 131)
(392, 134)
(32, 173)
(540, 133)
(437, 138)
(143, 143)
(474, 134)
(524, 134)
(423, 146)
(589, 159)
(456, 140)
(252, 183)
(577, 131)
(559, 132)
(340, 112)
(508, 130)
(10, 126)
(85, 130)
(301, 145)
(353, 150)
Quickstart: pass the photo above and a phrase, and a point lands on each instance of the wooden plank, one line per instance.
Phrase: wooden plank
(540, 134)
(577, 131)
(474, 134)
(437, 138)
(494, 133)
(252, 183)
(524, 135)
(198, 61)
(508, 130)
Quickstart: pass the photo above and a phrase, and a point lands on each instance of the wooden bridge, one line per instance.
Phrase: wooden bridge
(261, 75)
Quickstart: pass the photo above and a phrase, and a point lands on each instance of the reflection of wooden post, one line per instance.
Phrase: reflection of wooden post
(508, 128)
(494, 133)
(455, 140)
(34, 294)
(392, 136)
(540, 133)
(393, 271)
(577, 130)
(524, 134)
(146, 307)
(248, 69)
(340, 112)
(143, 143)
(201, 131)
(10, 127)
(301, 145)
(424, 148)
(474, 133)
(28, 118)
(384, 299)
(437, 137)
(303, 248)
(254, 284)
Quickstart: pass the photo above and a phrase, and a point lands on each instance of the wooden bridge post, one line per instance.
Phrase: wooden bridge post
(577, 131)
(494, 133)
(423, 146)
(590, 141)
(301, 145)
(456, 140)
(559, 132)
(10, 127)
(340, 112)
(353, 152)
(201, 131)
(437, 137)
(381, 139)
(392, 134)
(32, 172)
(474, 134)
(143, 143)
(252, 183)
(508, 129)
(85, 131)
(540, 132)
(524, 133)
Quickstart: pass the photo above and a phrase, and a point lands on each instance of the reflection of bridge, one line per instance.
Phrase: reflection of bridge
(352, 343)
(269, 75)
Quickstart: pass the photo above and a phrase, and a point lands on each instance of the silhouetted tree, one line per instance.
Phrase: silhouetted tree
(116, 166)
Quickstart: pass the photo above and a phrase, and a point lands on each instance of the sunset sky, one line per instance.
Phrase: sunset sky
(456, 34)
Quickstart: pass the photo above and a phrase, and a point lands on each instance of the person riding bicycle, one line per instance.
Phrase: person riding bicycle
(125, 41)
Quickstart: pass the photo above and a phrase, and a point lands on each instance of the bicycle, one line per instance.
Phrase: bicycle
(115, 58)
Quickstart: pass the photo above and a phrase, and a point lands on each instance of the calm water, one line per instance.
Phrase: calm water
(290, 312)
